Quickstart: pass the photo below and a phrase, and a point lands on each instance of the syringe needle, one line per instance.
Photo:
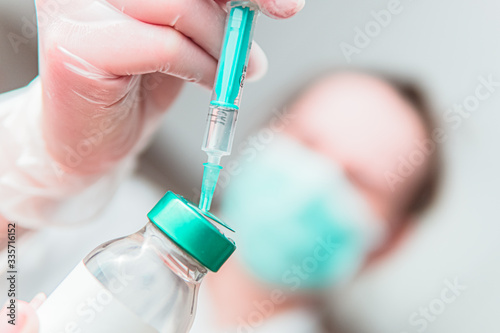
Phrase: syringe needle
(210, 176)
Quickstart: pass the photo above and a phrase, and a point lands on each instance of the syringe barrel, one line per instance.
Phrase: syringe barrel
(219, 133)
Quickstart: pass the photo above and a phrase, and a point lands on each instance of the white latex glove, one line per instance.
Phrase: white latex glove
(108, 70)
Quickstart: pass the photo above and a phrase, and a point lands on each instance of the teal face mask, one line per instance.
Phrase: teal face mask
(299, 222)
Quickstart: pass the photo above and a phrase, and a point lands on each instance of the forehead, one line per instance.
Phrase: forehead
(363, 124)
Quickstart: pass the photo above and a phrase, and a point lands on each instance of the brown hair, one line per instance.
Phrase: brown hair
(428, 188)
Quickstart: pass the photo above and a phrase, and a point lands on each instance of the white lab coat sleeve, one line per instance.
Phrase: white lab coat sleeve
(34, 189)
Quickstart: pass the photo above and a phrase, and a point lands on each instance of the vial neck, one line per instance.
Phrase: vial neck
(173, 256)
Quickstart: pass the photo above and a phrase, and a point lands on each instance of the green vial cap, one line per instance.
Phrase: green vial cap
(192, 230)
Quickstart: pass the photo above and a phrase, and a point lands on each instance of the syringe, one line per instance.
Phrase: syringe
(226, 96)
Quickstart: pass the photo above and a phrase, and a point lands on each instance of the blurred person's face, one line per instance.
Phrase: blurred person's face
(358, 123)
(310, 208)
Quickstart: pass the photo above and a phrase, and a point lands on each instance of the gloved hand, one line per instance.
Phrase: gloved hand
(26, 319)
(108, 70)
